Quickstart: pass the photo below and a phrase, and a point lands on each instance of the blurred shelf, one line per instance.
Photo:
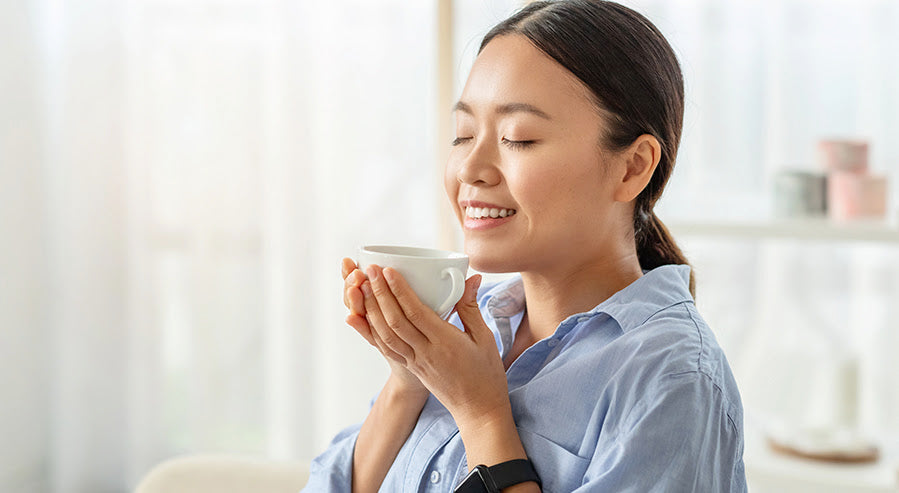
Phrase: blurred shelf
(799, 229)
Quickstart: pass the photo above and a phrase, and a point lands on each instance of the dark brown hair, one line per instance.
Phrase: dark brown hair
(634, 76)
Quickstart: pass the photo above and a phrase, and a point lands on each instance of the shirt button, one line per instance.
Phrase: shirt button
(552, 343)
(435, 477)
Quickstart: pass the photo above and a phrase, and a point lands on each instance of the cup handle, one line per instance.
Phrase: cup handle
(456, 294)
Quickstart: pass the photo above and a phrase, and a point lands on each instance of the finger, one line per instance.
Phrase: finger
(470, 314)
(394, 314)
(419, 314)
(351, 295)
(356, 301)
(361, 326)
(345, 271)
(346, 267)
(472, 284)
(380, 327)
(386, 351)
(352, 300)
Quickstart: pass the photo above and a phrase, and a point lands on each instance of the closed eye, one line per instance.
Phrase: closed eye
(518, 144)
(460, 140)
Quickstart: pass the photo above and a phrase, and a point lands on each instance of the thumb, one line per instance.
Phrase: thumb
(470, 295)
(469, 313)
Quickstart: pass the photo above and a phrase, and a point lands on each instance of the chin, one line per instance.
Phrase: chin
(491, 268)
(488, 263)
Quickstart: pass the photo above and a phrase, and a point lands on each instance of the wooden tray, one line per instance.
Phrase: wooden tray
(858, 456)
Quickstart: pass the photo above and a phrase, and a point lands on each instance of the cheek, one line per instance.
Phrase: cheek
(450, 184)
(537, 183)
(566, 192)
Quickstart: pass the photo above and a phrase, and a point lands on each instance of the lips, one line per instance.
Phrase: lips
(487, 212)
(484, 215)
(478, 209)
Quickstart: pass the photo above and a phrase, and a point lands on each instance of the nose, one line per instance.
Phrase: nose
(480, 166)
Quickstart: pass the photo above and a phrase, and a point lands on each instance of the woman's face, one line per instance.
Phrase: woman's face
(527, 150)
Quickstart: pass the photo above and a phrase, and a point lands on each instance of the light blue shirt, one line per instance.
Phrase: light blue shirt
(634, 395)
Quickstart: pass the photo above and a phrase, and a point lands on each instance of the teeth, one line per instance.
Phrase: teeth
(482, 212)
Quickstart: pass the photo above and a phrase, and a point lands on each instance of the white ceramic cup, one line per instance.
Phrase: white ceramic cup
(436, 276)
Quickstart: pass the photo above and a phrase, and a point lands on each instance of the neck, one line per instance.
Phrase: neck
(554, 295)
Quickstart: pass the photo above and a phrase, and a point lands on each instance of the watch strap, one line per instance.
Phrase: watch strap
(512, 472)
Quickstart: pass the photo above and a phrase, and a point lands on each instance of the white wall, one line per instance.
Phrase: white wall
(23, 328)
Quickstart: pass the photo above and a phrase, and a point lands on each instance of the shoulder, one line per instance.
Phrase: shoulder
(673, 353)
(680, 334)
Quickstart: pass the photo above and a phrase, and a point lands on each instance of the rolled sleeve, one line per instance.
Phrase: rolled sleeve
(332, 471)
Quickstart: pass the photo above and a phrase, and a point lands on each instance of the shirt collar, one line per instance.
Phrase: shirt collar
(657, 289)
(506, 299)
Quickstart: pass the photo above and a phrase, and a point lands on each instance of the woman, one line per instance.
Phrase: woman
(592, 370)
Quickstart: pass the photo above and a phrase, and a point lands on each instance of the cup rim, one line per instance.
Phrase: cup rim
(420, 252)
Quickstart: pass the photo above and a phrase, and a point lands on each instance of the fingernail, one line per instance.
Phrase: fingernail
(366, 289)
(372, 272)
(389, 275)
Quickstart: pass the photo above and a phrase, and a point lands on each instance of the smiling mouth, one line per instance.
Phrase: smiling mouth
(487, 212)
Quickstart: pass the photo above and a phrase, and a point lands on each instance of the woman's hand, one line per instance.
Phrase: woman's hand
(353, 278)
(462, 369)
(352, 298)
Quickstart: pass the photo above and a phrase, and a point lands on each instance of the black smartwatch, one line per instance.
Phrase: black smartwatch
(483, 479)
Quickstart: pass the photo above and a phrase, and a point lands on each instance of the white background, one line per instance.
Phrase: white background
(178, 181)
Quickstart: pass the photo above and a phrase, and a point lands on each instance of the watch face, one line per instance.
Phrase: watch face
(491, 479)
(477, 481)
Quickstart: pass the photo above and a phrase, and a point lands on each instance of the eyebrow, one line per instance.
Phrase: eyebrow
(506, 109)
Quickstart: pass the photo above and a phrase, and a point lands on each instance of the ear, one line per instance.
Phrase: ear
(640, 161)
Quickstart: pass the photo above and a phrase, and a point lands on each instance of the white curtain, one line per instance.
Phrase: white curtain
(266, 141)
(180, 179)
(203, 166)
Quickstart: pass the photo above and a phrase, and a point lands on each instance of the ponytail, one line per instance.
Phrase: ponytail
(656, 246)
